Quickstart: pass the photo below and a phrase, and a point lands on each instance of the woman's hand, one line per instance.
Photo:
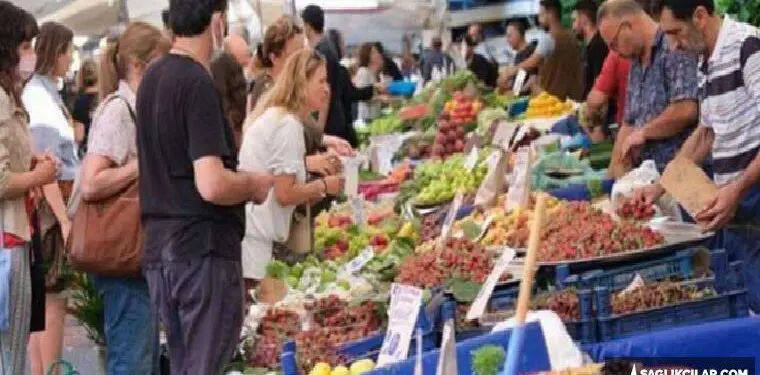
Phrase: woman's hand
(339, 145)
(334, 184)
(45, 170)
(323, 164)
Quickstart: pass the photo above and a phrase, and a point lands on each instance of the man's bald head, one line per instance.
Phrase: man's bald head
(238, 48)
(619, 9)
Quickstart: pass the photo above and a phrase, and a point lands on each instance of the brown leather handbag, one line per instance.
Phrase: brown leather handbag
(106, 236)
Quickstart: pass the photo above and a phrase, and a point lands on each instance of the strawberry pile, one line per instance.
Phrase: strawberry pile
(635, 209)
(334, 323)
(564, 303)
(275, 328)
(459, 259)
(576, 230)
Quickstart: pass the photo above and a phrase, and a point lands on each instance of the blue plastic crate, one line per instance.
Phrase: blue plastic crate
(672, 267)
(535, 356)
(726, 305)
(402, 88)
(369, 347)
(583, 330)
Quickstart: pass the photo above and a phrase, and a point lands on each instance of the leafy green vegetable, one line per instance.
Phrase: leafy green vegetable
(470, 229)
(488, 360)
(277, 269)
(464, 290)
(594, 188)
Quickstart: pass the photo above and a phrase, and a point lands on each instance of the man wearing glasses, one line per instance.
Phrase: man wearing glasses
(661, 106)
(729, 131)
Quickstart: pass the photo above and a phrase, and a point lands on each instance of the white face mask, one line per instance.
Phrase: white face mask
(26, 66)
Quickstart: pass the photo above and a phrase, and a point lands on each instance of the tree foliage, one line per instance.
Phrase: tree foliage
(743, 10)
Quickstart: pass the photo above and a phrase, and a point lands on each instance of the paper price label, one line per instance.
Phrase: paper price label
(479, 305)
(492, 159)
(519, 82)
(357, 206)
(484, 227)
(519, 187)
(447, 359)
(472, 159)
(402, 316)
(448, 222)
(356, 264)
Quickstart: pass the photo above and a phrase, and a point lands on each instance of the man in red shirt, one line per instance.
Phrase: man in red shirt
(612, 83)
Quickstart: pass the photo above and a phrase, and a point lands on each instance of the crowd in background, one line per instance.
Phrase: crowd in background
(238, 148)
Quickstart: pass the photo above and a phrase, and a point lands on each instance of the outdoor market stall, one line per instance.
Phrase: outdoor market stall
(427, 250)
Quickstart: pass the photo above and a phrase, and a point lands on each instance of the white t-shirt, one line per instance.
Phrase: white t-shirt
(366, 110)
(274, 142)
(545, 46)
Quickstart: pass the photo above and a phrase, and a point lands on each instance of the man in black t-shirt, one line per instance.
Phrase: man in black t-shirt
(584, 25)
(191, 195)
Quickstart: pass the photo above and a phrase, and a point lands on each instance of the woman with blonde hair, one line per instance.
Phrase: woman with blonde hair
(274, 142)
(108, 168)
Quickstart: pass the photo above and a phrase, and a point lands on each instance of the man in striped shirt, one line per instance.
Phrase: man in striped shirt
(729, 131)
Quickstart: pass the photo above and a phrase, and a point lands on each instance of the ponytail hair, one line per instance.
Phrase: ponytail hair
(140, 42)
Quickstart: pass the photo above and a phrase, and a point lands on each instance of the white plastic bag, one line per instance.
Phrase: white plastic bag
(645, 174)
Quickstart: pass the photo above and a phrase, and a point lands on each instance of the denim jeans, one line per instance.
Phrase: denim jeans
(130, 329)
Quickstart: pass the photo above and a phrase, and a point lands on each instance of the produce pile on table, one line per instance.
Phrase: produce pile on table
(546, 105)
(438, 182)
(657, 294)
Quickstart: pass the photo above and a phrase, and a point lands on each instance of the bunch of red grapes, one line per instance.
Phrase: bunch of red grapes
(448, 140)
(275, 328)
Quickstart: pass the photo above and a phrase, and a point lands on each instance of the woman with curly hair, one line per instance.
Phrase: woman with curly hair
(20, 172)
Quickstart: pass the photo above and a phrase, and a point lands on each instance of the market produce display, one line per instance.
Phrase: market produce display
(459, 259)
(546, 105)
(385, 125)
(417, 147)
(462, 109)
(657, 295)
(449, 140)
(488, 360)
(635, 209)
(576, 230)
(275, 328)
(439, 181)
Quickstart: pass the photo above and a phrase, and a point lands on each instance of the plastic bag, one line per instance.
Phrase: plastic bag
(645, 174)
(560, 169)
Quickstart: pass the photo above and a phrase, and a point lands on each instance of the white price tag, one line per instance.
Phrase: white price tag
(484, 227)
(492, 159)
(519, 186)
(356, 264)
(504, 132)
(448, 222)
(519, 82)
(447, 359)
(357, 206)
(479, 305)
(402, 316)
(351, 172)
(472, 160)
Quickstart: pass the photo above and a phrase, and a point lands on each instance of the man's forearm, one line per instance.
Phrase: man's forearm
(750, 176)
(673, 120)
(239, 188)
(698, 146)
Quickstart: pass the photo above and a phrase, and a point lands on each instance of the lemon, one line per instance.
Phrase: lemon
(340, 370)
(321, 368)
(362, 366)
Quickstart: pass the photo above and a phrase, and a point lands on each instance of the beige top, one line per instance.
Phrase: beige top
(15, 157)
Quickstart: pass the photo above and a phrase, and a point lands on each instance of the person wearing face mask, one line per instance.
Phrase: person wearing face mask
(192, 197)
(274, 141)
(53, 130)
(20, 173)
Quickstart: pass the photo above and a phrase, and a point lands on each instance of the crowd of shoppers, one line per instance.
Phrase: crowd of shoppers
(236, 148)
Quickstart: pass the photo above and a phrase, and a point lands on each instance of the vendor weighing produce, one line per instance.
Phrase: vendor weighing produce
(729, 130)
